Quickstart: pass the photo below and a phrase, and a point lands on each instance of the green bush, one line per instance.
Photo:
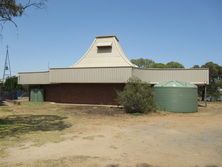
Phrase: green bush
(11, 84)
(137, 97)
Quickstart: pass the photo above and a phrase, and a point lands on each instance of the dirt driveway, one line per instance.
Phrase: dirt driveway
(120, 140)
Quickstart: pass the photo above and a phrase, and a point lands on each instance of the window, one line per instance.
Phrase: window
(104, 47)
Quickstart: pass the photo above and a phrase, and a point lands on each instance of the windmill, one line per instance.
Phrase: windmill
(7, 67)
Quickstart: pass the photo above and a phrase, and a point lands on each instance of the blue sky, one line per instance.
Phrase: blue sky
(188, 31)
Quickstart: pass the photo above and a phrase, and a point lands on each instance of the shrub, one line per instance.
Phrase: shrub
(137, 96)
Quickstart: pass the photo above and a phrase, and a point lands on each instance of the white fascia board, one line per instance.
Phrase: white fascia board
(104, 44)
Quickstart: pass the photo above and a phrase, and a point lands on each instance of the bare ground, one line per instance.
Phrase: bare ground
(101, 136)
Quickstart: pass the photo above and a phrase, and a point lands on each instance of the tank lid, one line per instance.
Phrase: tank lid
(176, 84)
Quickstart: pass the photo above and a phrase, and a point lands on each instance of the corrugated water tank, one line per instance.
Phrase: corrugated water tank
(37, 95)
(176, 96)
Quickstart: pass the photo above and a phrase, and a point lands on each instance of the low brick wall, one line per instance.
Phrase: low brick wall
(82, 93)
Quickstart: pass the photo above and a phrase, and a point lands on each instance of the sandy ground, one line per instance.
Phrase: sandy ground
(156, 139)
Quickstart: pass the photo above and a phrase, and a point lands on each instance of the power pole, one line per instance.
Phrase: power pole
(7, 67)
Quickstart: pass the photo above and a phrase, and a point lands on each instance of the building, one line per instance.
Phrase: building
(100, 72)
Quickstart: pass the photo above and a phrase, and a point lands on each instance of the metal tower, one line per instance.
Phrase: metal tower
(7, 67)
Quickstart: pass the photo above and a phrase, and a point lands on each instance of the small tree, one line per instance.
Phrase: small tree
(137, 96)
(11, 84)
(10, 88)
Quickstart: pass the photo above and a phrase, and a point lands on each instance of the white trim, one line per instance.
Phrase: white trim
(104, 44)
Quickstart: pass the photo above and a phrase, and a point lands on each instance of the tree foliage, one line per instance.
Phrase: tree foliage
(215, 70)
(143, 63)
(148, 63)
(215, 78)
(11, 84)
(159, 65)
(9, 9)
(174, 64)
(196, 66)
(137, 96)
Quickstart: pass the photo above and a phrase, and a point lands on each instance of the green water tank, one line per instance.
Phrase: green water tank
(176, 96)
(37, 95)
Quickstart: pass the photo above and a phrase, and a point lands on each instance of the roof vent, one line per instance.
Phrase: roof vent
(104, 44)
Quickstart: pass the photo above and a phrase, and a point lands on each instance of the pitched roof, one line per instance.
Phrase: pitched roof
(105, 51)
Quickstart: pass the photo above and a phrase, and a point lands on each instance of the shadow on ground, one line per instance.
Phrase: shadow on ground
(2, 103)
(17, 124)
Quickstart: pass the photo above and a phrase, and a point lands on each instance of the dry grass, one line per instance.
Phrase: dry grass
(106, 136)
(39, 123)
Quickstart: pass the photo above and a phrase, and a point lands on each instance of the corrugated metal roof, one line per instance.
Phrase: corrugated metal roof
(113, 75)
(155, 76)
(33, 78)
(113, 57)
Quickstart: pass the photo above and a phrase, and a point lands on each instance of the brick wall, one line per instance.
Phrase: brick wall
(82, 93)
